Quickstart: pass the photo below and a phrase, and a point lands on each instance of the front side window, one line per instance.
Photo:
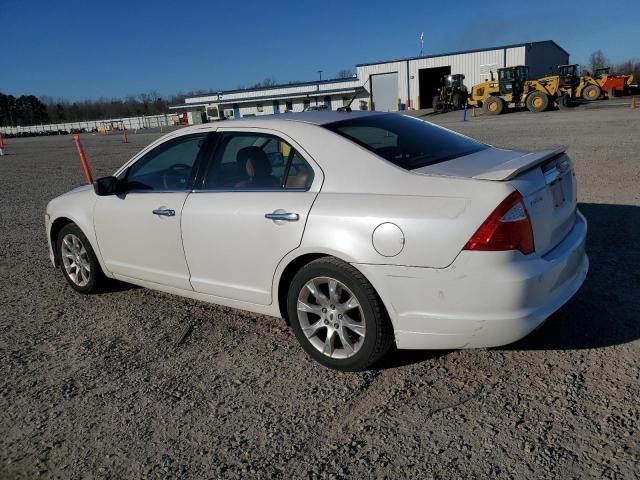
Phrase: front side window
(405, 141)
(248, 161)
(167, 167)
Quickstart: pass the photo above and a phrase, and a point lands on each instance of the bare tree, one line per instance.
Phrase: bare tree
(598, 60)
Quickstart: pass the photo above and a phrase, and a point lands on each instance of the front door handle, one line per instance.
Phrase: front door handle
(287, 217)
(164, 212)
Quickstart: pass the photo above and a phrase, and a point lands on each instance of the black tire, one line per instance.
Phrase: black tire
(96, 278)
(564, 102)
(435, 103)
(591, 92)
(493, 105)
(538, 102)
(378, 336)
(457, 101)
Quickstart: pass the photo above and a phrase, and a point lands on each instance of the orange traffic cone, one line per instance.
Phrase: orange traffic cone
(633, 102)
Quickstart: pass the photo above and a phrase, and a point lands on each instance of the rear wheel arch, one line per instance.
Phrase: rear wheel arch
(287, 276)
(299, 262)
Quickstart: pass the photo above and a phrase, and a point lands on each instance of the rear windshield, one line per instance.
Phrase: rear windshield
(405, 141)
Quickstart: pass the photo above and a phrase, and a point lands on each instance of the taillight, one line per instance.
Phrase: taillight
(507, 228)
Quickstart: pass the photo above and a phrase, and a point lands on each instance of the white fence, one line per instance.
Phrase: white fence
(130, 123)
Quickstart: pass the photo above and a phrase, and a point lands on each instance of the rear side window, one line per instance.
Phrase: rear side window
(256, 161)
(405, 141)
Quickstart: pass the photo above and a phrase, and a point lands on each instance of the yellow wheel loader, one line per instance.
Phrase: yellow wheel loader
(513, 89)
(579, 86)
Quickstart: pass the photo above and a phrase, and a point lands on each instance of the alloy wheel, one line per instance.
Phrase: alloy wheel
(75, 260)
(331, 317)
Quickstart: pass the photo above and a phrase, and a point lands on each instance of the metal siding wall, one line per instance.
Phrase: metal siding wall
(544, 58)
(515, 57)
(365, 71)
(468, 64)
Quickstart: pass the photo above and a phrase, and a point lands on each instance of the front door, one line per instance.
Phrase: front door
(251, 211)
(139, 231)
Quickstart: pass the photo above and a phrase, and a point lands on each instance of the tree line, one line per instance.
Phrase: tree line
(31, 110)
(599, 60)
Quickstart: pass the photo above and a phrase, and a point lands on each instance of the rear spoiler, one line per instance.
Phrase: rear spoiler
(514, 167)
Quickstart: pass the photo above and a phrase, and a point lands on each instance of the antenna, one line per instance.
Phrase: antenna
(421, 43)
(347, 107)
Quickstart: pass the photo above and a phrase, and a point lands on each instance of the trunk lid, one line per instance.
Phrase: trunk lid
(545, 179)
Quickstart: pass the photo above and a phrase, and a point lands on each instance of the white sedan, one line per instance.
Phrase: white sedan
(360, 229)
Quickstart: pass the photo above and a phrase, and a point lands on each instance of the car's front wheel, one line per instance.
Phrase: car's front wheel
(337, 315)
(78, 261)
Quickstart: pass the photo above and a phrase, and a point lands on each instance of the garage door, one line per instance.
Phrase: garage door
(384, 92)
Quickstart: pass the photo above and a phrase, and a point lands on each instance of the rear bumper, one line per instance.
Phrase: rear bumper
(484, 299)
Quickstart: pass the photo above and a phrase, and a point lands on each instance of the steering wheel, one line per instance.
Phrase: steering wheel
(175, 176)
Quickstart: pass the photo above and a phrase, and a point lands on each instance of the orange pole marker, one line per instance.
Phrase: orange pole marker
(473, 111)
(633, 102)
(1, 141)
(126, 136)
(83, 159)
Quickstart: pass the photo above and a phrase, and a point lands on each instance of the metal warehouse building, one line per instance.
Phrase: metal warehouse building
(385, 86)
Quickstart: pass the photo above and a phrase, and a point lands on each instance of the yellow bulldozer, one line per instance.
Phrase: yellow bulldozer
(513, 89)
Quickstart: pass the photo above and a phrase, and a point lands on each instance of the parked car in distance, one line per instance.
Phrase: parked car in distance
(361, 229)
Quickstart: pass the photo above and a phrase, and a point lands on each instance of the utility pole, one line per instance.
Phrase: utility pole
(320, 72)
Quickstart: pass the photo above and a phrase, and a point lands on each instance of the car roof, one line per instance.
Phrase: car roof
(318, 117)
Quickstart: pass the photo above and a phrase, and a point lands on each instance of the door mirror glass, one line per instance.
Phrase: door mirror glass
(106, 186)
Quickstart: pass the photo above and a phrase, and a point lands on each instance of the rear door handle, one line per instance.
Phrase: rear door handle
(287, 217)
(164, 212)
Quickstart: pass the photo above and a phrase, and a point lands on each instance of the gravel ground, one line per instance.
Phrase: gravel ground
(95, 387)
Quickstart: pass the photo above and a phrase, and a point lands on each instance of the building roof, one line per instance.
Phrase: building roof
(280, 85)
(321, 117)
(462, 52)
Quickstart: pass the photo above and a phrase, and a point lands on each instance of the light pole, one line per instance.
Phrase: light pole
(320, 73)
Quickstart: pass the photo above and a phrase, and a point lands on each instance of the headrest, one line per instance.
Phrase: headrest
(256, 162)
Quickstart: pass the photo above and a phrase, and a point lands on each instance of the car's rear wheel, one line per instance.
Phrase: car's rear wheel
(337, 316)
(78, 261)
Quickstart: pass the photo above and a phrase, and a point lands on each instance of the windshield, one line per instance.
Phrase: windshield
(405, 141)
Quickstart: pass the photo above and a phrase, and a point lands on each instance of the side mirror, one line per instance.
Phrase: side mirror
(106, 186)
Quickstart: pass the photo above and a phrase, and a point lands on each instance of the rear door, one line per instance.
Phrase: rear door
(248, 212)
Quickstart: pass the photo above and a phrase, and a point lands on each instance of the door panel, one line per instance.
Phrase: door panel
(384, 92)
(137, 243)
(139, 231)
(232, 250)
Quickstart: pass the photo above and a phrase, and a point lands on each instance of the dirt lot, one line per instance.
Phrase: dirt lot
(93, 387)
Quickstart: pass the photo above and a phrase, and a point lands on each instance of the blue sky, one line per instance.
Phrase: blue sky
(89, 49)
